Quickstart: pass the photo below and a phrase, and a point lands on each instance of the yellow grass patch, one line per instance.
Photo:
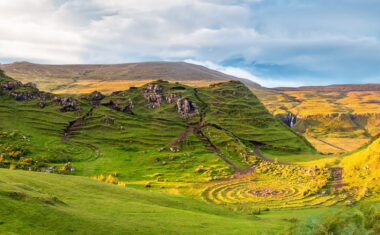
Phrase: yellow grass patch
(107, 87)
(337, 145)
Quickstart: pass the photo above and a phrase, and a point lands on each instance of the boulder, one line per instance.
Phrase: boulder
(154, 95)
(186, 108)
(171, 98)
(67, 104)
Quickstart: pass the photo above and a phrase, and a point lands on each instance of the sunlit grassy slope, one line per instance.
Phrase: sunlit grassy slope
(362, 170)
(40, 203)
(334, 119)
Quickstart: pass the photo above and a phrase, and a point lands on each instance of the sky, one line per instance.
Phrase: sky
(272, 42)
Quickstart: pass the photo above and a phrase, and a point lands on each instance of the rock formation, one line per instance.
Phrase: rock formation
(67, 104)
(186, 108)
(118, 106)
(171, 98)
(154, 95)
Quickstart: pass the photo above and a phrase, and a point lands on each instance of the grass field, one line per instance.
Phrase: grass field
(40, 203)
(234, 168)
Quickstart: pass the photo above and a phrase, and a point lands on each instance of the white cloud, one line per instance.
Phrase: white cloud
(324, 37)
(242, 73)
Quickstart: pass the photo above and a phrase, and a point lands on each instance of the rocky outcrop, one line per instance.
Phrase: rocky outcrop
(119, 106)
(94, 97)
(154, 95)
(186, 108)
(23, 92)
(10, 85)
(67, 104)
(171, 98)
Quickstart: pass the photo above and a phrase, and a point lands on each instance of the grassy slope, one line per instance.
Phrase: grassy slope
(362, 170)
(130, 145)
(85, 206)
(40, 203)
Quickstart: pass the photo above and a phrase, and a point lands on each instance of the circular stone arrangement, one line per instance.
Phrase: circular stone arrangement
(265, 193)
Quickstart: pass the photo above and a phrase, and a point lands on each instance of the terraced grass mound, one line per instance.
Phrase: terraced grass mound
(263, 193)
(275, 186)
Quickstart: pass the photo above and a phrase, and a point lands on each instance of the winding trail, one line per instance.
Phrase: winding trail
(183, 135)
(213, 148)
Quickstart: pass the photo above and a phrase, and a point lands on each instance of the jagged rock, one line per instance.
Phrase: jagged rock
(127, 108)
(186, 108)
(96, 95)
(153, 94)
(12, 85)
(67, 104)
(23, 96)
(171, 98)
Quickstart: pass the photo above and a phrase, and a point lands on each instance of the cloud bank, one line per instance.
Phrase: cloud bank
(273, 42)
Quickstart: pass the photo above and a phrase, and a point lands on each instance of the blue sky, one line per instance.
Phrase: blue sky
(273, 42)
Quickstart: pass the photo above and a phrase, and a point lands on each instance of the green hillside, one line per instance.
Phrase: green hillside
(38, 203)
(161, 129)
(214, 145)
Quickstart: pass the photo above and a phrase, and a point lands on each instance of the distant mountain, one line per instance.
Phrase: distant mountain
(334, 88)
(112, 77)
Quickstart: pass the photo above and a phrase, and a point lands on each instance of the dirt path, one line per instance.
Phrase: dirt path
(213, 148)
(183, 135)
(260, 154)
